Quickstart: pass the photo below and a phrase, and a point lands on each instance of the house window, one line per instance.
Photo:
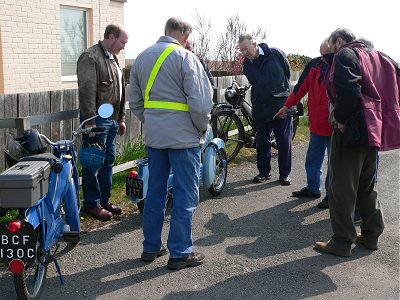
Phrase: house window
(74, 39)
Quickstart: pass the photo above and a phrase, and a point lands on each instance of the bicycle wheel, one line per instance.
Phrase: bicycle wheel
(294, 130)
(29, 284)
(221, 172)
(227, 126)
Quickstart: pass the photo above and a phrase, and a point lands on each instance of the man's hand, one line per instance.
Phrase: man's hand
(122, 128)
(341, 127)
(282, 113)
(92, 134)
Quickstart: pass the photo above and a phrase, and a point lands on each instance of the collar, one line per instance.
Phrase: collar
(106, 53)
(168, 39)
(110, 55)
(260, 52)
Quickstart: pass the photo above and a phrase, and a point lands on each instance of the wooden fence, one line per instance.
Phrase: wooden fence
(56, 114)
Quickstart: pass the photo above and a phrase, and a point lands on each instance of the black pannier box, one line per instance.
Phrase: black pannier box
(24, 183)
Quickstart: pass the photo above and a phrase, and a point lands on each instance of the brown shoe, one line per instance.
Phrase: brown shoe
(115, 210)
(370, 245)
(193, 259)
(99, 213)
(149, 257)
(327, 247)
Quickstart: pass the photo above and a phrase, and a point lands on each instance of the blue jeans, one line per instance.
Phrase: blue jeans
(96, 188)
(314, 160)
(185, 164)
(282, 129)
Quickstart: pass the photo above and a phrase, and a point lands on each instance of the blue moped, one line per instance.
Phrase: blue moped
(213, 172)
(45, 189)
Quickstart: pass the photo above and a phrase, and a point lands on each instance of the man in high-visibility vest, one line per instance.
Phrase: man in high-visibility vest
(172, 96)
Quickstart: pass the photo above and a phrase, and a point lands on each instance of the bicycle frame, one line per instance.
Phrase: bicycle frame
(225, 117)
(46, 212)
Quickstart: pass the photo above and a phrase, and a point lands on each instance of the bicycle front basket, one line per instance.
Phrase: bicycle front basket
(92, 158)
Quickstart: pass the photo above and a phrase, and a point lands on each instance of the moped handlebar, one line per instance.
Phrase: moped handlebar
(80, 131)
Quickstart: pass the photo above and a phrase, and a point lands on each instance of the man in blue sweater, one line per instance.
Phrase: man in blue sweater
(268, 71)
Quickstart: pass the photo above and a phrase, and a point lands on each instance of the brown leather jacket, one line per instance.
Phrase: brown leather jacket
(98, 83)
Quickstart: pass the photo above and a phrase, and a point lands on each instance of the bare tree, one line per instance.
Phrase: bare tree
(226, 48)
(202, 28)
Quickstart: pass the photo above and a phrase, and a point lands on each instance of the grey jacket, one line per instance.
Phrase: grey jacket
(181, 79)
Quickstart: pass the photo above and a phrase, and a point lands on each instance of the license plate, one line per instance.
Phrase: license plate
(21, 245)
(134, 187)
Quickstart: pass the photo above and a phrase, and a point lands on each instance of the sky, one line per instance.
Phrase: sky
(294, 26)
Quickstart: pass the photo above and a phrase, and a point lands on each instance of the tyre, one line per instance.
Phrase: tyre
(294, 128)
(140, 206)
(221, 172)
(227, 126)
(29, 284)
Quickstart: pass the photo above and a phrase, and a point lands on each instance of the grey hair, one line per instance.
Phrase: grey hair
(342, 33)
(177, 24)
(368, 43)
(245, 36)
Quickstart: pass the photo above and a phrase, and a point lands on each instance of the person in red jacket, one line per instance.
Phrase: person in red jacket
(313, 81)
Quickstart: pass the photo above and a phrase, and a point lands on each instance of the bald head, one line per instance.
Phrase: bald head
(324, 48)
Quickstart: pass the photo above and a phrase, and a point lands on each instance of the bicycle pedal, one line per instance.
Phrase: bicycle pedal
(71, 236)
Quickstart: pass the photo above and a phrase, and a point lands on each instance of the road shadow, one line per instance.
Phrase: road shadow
(299, 279)
(277, 229)
(279, 232)
(102, 280)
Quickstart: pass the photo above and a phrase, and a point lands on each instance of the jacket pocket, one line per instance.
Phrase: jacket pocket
(356, 131)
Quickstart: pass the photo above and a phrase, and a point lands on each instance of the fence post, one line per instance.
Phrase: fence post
(22, 123)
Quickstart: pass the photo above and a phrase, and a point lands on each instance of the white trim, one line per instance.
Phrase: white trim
(70, 78)
(75, 4)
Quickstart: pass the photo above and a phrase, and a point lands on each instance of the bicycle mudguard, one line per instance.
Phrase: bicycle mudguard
(144, 175)
(33, 214)
(209, 161)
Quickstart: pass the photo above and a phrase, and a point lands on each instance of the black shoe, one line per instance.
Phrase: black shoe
(284, 180)
(305, 193)
(261, 178)
(149, 257)
(193, 259)
(324, 203)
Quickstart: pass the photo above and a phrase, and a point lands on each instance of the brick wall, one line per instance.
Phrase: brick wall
(30, 55)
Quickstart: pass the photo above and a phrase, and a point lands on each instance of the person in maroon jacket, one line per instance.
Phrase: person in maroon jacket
(313, 81)
(364, 89)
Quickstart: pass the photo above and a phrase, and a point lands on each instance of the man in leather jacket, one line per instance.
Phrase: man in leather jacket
(100, 80)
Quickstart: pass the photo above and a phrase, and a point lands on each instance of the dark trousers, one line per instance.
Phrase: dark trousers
(352, 181)
(282, 130)
(96, 187)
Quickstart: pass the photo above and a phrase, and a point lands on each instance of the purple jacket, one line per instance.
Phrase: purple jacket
(380, 96)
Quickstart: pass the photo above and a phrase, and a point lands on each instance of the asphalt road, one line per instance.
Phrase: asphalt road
(258, 243)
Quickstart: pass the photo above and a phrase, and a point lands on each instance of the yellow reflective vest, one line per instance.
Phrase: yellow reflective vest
(150, 103)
